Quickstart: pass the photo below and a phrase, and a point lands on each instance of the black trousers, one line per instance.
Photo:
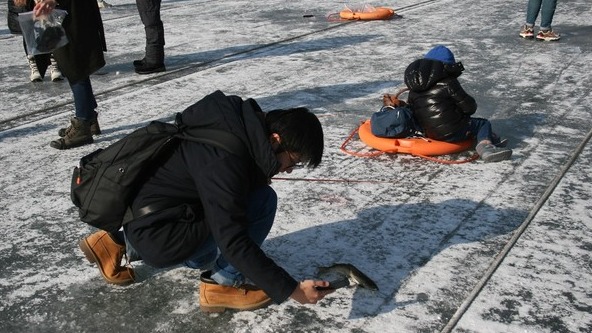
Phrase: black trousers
(149, 11)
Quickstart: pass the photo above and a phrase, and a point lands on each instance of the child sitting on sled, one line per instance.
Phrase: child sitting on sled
(443, 109)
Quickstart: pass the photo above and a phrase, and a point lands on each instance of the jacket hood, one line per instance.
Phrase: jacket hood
(243, 118)
(422, 74)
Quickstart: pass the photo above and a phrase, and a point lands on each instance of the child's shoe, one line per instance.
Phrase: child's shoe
(491, 153)
(547, 35)
(527, 31)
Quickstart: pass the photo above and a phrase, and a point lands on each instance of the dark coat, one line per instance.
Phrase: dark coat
(12, 18)
(438, 101)
(83, 55)
(213, 184)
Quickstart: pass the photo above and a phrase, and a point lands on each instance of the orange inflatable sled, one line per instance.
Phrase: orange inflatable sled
(413, 146)
(375, 13)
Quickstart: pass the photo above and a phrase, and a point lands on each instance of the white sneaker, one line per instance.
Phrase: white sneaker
(103, 4)
(35, 75)
(54, 70)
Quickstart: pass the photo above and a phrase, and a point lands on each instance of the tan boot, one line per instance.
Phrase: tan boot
(216, 298)
(101, 249)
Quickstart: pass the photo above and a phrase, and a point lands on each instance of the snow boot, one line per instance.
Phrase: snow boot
(54, 70)
(103, 4)
(217, 298)
(95, 129)
(149, 68)
(491, 153)
(78, 135)
(35, 75)
(100, 248)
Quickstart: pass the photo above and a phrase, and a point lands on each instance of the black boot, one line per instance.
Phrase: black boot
(144, 67)
(78, 135)
(139, 63)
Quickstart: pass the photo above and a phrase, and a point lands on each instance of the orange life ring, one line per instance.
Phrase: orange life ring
(379, 13)
(413, 146)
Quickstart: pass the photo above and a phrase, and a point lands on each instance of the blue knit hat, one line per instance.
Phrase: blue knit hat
(441, 53)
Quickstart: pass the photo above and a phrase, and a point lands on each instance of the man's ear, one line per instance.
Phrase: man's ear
(275, 140)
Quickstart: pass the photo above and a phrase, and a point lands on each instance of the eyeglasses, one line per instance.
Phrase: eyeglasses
(294, 162)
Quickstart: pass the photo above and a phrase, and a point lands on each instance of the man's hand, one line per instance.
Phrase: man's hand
(307, 293)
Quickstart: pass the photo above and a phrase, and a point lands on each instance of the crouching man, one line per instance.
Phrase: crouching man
(210, 209)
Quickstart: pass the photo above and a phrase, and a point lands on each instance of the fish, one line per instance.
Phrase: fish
(350, 271)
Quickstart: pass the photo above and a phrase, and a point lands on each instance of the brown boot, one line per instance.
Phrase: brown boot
(78, 135)
(101, 249)
(216, 298)
(95, 129)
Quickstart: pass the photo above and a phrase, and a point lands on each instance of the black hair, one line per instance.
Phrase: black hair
(300, 131)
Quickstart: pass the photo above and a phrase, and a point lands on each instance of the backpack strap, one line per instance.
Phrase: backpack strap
(217, 138)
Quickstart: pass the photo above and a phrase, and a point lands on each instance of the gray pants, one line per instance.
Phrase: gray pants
(149, 11)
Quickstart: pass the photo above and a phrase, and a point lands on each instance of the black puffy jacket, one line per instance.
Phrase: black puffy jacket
(438, 101)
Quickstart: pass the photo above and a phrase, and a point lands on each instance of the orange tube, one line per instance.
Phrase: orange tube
(413, 146)
(380, 13)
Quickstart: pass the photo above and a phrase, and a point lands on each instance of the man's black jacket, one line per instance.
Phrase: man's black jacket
(214, 184)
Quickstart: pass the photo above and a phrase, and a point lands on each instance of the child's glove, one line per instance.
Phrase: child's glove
(392, 100)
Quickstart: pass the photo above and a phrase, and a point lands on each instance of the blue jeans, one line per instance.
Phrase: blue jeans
(261, 208)
(478, 128)
(84, 99)
(547, 9)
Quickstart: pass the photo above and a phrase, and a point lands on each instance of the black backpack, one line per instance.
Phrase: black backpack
(106, 181)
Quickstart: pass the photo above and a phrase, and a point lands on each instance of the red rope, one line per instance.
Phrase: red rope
(336, 180)
(357, 154)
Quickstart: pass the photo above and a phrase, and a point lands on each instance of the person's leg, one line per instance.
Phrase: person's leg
(35, 74)
(149, 11)
(84, 106)
(54, 70)
(532, 11)
(79, 132)
(481, 129)
(486, 142)
(84, 99)
(205, 256)
(547, 12)
(261, 208)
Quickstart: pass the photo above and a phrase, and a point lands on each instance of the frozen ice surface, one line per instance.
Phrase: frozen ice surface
(429, 234)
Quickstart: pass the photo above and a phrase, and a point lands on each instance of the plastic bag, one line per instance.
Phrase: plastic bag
(43, 34)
